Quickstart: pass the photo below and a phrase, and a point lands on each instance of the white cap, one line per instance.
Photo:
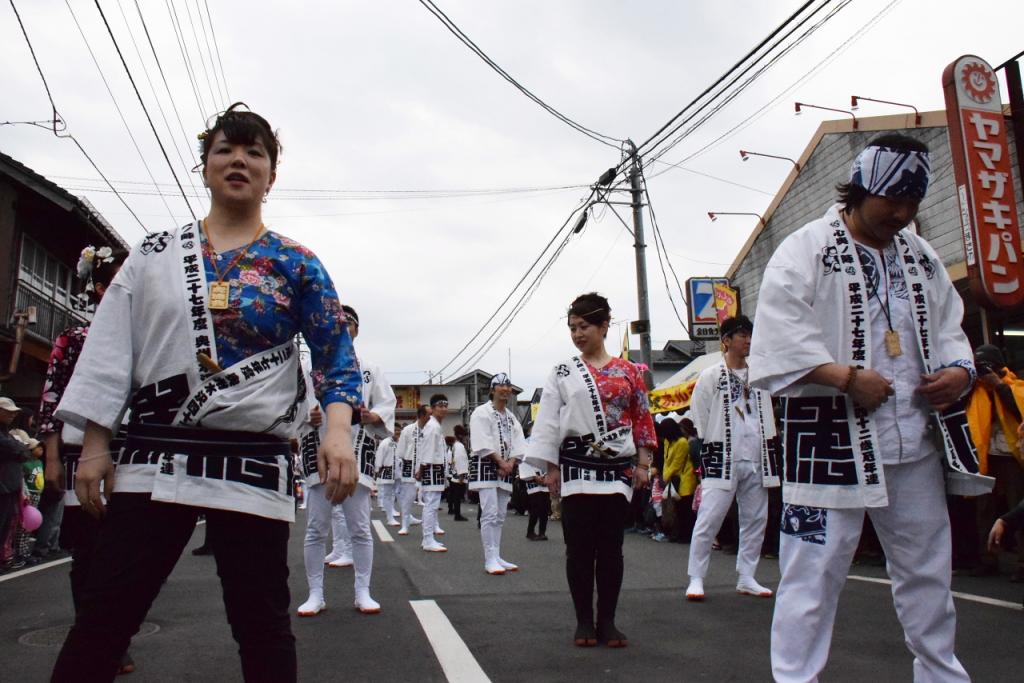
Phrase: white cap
(9, 405)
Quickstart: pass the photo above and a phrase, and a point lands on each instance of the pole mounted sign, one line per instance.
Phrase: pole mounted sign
(702, 309)
(984, 182)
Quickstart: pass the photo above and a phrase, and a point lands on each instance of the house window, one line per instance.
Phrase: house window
(44, 273)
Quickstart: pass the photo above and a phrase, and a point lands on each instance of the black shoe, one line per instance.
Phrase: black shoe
(611, 636)
(460, 518)
(585, 636)
(203, 550)
(542, 537)
(531, 536)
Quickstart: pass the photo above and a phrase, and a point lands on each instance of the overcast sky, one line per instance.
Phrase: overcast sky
(380, 96)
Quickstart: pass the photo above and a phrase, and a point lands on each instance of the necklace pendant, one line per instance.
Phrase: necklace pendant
(219, 294)
(892, 344)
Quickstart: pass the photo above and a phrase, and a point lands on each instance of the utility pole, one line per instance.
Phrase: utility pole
(641, 327)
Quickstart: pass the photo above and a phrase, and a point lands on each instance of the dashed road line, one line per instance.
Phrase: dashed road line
(382, 532)
(32, 570)
(458, 663)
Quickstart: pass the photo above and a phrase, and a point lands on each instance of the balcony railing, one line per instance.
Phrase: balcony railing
(51, 318)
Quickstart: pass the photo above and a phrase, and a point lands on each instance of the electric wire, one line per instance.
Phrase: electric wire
(811, 73)
(172, 13)
(156, 98)
(726, 75)
(216, 47)
(167, 87)
(202, 61)
(515, 288)
(660, 247)
(465, 40)
(128, 129)
(209, 53)
(721, 101)
(59, 127)
(145, 111)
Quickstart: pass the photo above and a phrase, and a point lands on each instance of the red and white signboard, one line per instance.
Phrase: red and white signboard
(984, 181)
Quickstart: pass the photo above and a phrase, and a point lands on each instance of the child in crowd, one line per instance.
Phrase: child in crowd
(657, 496)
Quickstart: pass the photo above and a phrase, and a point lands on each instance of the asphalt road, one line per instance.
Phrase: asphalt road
(517, 627)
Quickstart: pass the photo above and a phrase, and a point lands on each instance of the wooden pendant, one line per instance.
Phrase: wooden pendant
(219, 294)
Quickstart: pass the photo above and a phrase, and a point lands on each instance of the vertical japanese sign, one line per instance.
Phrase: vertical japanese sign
(984, 182)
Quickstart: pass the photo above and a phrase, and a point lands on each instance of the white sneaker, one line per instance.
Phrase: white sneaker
(404, 531)
(343, 561)
(312, 607)
(747, 585)
(438, 531)
(508, 566)
(332, 557)
(415, 521)
(494, 568)
(695, 591)
(367, 605)
(393, 522)
(434, 547)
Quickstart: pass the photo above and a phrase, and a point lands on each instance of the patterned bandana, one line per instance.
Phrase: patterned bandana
(892, 173)
(500, 378)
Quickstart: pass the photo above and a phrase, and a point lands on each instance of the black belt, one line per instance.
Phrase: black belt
(205, 442)
(576, 450)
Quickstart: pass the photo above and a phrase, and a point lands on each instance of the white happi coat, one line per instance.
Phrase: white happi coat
(407, 453)
(151, 358)
(570, 406)
(432, 456)
(813, 309)
(379, 398)
(385, 462)
(714, 415)
(493, 432)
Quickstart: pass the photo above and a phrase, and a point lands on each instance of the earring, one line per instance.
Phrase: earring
(265, 199)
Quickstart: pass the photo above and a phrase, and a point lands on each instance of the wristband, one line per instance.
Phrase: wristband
(849, 380)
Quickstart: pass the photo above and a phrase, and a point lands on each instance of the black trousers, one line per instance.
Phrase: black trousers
(8, 512)
(456, 490)
(80, 532)
(139, 543)
(540, 508)
(593, 526)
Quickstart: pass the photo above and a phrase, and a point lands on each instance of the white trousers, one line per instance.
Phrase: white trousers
(752, 501)
(319, 517)
(386, 497)
(341, 545)
(914, 532)
(430, 502)
(493, 509)
(406, 498)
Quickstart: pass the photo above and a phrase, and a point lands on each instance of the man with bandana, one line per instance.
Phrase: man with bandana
(858, 332)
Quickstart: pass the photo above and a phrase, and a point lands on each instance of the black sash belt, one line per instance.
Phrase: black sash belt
(205, 442)
(576, 450)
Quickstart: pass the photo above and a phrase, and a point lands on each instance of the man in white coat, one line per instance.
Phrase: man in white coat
(858, 331)
(387, 473)
(432, 469)
(737, 428)
(350, 520)
(406, 458)
(497, 445)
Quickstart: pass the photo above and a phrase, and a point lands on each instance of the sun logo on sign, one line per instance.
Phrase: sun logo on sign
(979, 82)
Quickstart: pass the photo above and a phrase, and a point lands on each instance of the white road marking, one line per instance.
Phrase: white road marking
(963, 596)
(382, 532)
(456, 660)
(31, 570)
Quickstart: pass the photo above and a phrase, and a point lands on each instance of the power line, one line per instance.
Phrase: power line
(659, 245)
(517, 285)
(167, 87)
(59, 125)
(811, 73)
(722, 103)
(179, 35)
(144, 110)
(202, 61)
(457, 32)
(156, 98)
(216, 47)
(726, 75)
(120, 113)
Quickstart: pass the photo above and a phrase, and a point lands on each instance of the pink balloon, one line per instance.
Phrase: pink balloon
(31, 518)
